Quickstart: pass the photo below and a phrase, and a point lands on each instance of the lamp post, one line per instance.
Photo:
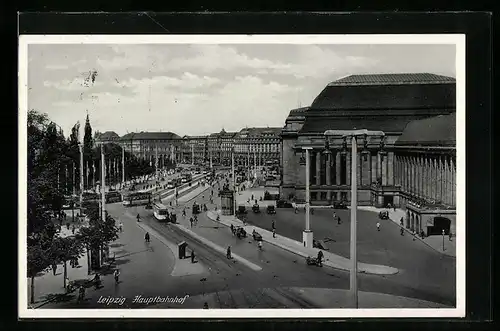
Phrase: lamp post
(353, 134)
(123, 166)
(234, 183)
(443, 238)
(307, 235)
(103, 185)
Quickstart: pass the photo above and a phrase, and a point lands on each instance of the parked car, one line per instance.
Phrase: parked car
(271, 210)
(240, 232)
(340, 205)
(283, 204)
(242, 210)
(256, 208)
(256, 236)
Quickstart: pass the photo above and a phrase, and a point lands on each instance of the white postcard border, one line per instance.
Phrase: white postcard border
(457, 39)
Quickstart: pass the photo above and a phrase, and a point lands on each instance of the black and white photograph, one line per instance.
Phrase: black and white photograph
(241, 176)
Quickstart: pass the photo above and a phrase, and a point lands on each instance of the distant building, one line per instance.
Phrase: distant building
(220, 147)
(259, 145)
(401, 105)
(146, 145)
(106, 137)
(194, 149)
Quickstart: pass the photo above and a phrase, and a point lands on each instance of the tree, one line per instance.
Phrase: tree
(98, 234)
(63, 250)
(88, 144)
(38, 258)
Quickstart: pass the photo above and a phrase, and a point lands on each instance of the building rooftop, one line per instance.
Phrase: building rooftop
(387, 91)
(108, 135)
(259, 132)
(393, 79)
(437, 130)
(298, 111)
(150, 136)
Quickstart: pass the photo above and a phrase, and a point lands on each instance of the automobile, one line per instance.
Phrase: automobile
(196, 208)
(242, 210)
(319, 244)
(240, 232)
(256, 208)
(170, 184)
(256, 236)
(271, 210)
(283, 204)
(184, 180)
(383, 215)
(339, 205)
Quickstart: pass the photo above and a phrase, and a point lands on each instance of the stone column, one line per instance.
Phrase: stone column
(379, 166)
(318, 167)
(337, 168)
(348, 168)
(374, 168)
(384, 169)
(413, 175)
(358, 169)
(453, 181)
(390, 168)
(420, 177)
(365, 170)
(328, 169)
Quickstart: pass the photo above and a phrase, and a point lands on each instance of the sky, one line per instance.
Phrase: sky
(197, 89)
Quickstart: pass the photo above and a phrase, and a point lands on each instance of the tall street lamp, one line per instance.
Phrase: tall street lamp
(353, 134)
(307, 235)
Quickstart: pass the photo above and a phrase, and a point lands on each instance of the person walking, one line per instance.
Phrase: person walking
(138, 218)
(228, 253)
(116, 275)
(191, 221)
(378, 226)
(192, 256)
(320, 258)
(232, 228)
(273, 225)
(146, 237)
(120, 227)
(260, 244)
(402, 231)
(274, 233)
(401, 222)
(450, 235)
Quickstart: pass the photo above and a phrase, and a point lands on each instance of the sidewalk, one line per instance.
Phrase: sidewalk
(331, 260)
(434, 242)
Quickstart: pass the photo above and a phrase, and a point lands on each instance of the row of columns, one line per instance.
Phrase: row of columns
(370, 168)
(430, 177)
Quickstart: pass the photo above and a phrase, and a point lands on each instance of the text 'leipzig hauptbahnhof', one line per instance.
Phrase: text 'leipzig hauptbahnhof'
(412, 166)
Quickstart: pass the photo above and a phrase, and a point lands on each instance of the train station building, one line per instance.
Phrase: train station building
(412, 166)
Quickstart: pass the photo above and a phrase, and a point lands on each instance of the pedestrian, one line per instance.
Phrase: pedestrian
(402, 231)
(81, 293)
(296, 210)
(120, 226)
(450, 235)
(116, 274)
(378, 226)
(414, 233)
(274, 233)
(232, 228)
(320, 258)
(146, 237)
(228, 252)
(252, 196)
(339, 221)
(192, 256)
(54, 268)
(138, 218)
(260, 244)
(73, 229)
(191, 221)
(273, 225)
(401, 222)
(205, 305)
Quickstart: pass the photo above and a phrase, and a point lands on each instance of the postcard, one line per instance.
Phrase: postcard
(257, 176)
